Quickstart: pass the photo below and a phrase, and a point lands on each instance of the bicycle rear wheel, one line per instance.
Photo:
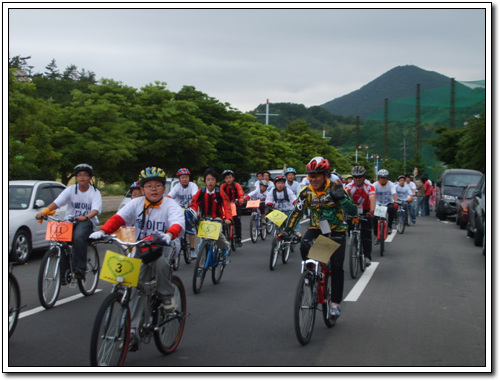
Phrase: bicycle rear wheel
(185, 250)
(275, 250)
(14, 303)
(353, 256)
(304, 308)
(199, 268)
(170, 326)
(381, 230)
(218, 268)
(49, 278)
(88, 285)
(285, 253)
(111, 332)
(329, 320)
(253, 228)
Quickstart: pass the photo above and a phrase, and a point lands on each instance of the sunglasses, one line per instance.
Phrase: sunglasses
(358, 177)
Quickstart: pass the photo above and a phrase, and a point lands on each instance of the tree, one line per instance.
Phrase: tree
(471, 151)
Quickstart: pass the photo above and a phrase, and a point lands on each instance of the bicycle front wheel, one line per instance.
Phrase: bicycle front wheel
(263, 230)
(270, 226)
(200, 268)
(285, 253)
(304, 308)
(49, 278)
(88, 285)
(14, 303)
(275, 250)
(111, 333)
(401, 222)
(169, 326)
(381, 231)
(218, 268)
(353, 256)
(329, 320)
(253, 228)
(185, 250)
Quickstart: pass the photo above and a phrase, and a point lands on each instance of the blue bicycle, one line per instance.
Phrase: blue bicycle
(210, 257)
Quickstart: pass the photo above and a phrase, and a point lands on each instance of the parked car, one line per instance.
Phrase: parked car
(26, 199)
(450, 185)
(463, 205)
(476, 226)
(168, 187)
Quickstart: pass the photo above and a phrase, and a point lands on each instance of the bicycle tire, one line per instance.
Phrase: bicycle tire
(401, 222)
(218, 268)
(253, 228)
(304, 309)
(329, 320)
(49, 277)
(275, 248)
(14, 303)
(177, 261)
(263, 230)
(170, 326)
(111, 332)
(353, 256)
(285, 253)
(88, 285)
(270, 226)
(361, 256)
(185, 250)
(381, 229)
(200, 269)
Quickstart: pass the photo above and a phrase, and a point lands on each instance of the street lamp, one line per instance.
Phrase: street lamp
(360, 147)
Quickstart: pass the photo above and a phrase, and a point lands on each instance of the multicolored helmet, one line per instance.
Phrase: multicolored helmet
(279, 178)
(84, 167)
(358, 170)
(152, 173)
(318, 164)
(290, 170)
(136, 185)
(227, 172)
(383, 173)
(183, 171)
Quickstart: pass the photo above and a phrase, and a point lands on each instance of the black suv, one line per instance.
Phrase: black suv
(476, 226)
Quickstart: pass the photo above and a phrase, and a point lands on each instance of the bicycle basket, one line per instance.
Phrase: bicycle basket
(150, 253)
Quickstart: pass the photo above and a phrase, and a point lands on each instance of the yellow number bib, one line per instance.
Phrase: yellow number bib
(117, 265)
(209, 229)
(277, 217)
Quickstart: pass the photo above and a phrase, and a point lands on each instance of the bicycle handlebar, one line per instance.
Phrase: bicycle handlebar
(50, 218)
(156, 241)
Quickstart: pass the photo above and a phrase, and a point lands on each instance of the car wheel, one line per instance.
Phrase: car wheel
(21, 246)
(470, 233)
(478, 236)
(440, 215)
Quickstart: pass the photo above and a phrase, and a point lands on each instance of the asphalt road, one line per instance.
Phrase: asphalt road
(423, 305)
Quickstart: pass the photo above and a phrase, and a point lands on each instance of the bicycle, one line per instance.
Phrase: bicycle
(210, 257)
(356, 255)
(381, 215)
(50, 277)
(257, 226)
(281, 248)
(314, 288)
(14, 300)
(110, 338)
(402, 216)
(185, 249)
(228, 231)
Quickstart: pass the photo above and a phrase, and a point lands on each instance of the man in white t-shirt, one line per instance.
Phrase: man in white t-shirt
(83, 202)
(290, 182)
(183, 193)
(413, 203)
(386, 195)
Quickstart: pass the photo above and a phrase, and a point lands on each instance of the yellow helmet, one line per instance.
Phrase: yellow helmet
(152, 173)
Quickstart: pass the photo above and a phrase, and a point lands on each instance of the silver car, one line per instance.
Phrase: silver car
(26, 199)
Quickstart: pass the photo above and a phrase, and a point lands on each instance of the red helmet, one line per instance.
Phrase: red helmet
(279, 178)
(318, 164)
(183, 171)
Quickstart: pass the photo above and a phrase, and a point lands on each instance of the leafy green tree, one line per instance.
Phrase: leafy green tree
(471, 151)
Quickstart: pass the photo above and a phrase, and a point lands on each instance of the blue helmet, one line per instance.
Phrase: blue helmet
(290, 170)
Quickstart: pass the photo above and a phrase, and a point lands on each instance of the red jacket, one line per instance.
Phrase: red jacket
(233, 192)
(428, 188)
(211, 205)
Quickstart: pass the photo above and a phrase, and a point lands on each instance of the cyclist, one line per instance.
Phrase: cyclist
(363, 195)
(260, 194)
(282, 198)
(385, 195)
(209, 201)
(235, 193)
(290, 181)
(348, 180)
(85, 203)
(135, 190)
(413, 202)
(403, 190)
(325, 202)
(150, 214)
(183, 193)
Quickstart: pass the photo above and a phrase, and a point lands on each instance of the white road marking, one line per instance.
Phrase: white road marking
(58, 303)
(361, 284)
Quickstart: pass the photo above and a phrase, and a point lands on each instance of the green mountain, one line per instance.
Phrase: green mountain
(399, 82)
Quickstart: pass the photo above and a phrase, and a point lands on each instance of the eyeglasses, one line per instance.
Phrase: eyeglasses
(152, 187)
(83, 175)
(358, 177)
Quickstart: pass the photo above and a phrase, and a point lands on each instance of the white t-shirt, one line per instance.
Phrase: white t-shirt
(156, 219)
(384, 194)
(280, 202)
(295, 187)
(257, 195)
(404, 192)
(413, 187)
(80, 203)
(305, 182)
(183, 195)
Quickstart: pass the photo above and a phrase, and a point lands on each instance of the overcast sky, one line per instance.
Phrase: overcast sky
(244, 56)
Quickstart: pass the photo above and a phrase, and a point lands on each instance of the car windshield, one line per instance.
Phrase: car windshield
(461, 180)
(19, 196)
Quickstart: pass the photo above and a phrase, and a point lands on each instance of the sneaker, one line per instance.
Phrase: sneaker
(225, 252)
(376, 241)
(389, 231)
(133, 344)
(193, 254)
(334, 310)
(414, 222)
(368, 262)
(238, 242)
(80, 274)
(169, 304)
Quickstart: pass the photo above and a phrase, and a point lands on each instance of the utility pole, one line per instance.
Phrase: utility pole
(267, 112)
(452, 104)
(386, 128)
(417, 122)
(404, 154)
